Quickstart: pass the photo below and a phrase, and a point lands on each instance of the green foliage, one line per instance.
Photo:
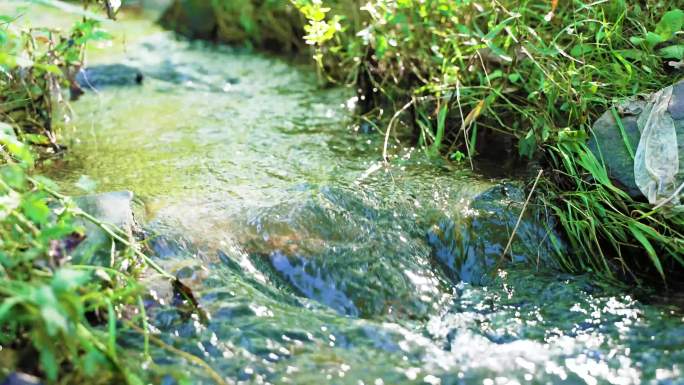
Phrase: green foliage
(270, 24)
(35, 65)
(605, 227)
(51, 309)
(46, 299)
(665, 31)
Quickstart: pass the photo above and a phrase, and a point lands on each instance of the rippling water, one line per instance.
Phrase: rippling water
(317, 266)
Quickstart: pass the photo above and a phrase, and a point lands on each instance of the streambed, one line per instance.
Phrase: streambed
(314, 264)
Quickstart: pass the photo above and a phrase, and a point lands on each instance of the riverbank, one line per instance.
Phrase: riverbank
(519, 83)
(69, 267)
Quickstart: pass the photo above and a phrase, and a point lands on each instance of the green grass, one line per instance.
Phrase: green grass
(612, 235)
(58, 320)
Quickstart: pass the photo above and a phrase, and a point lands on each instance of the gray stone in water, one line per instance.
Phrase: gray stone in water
(189, 75)
(109, 75)
(607, 142)
(113, 208)
(676, 110)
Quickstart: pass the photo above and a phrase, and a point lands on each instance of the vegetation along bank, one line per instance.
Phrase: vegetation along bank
(69, 282)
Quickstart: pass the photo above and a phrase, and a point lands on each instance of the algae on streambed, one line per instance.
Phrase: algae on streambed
(313, 270)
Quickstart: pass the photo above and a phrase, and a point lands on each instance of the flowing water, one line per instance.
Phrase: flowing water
(316, 265)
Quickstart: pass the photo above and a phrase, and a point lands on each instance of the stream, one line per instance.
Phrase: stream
(316, 264)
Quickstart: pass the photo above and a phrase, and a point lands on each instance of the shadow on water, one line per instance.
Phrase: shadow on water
(312, 269)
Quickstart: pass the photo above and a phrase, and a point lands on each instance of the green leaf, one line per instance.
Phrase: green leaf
(498, 28)
(636, 40)
(49, 364)
(527, 145)
(36, 138)
(35, 208)
(495, 74)
(580, 50)
(92, 361)
(653, 39)
(15, 147)
(632, 54)
(14, 176)
(6, 306)
(441, 127)
(111, 328)
(54, 320)
(457, 156)
(623, 133)
(381, 46)
(634, 228)
(670, 23)
(568, 136)
(132, 379)
(66, 280)
(50, 68)
(675, 52)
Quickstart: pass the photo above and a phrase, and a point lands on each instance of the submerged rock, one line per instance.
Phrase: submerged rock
(115, 209)
(108, 75)
(472, 243)
(348, 252)
(367, 258)
(191, 75)
(607, 142)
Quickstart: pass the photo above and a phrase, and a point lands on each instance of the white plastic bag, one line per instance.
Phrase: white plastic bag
(656, 162)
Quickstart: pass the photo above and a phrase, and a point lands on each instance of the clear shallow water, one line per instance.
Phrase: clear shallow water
(257, 194)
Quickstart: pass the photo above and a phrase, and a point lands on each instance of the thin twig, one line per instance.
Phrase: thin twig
(515, 229)
(389, 128)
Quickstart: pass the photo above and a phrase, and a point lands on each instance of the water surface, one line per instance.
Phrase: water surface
(314, 264)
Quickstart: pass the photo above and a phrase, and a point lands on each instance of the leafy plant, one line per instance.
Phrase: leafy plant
(58, 320)
(46, 300)
(667, 30)
(35, 65)
(603, 224)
